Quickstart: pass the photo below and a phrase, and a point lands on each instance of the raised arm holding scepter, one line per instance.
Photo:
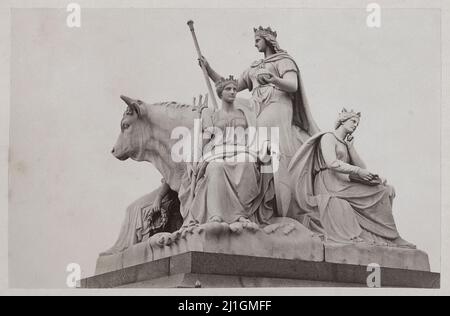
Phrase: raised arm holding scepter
(205, 72)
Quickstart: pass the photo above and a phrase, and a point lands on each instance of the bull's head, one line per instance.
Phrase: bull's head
(134, 131)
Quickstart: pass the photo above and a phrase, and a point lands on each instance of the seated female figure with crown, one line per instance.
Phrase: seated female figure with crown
(226, 185)
(336, 194)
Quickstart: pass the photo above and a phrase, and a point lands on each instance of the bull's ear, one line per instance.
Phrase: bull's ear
(135, 108)
(141, 109)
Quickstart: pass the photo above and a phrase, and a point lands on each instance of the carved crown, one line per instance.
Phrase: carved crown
(351, 113)
(265, 31)
(224, 81)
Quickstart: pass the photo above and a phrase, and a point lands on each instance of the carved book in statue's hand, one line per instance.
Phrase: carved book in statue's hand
(375, 181)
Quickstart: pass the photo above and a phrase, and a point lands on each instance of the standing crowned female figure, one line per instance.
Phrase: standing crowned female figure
(279, 101)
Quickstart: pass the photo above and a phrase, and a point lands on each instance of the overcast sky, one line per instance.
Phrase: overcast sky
(68, 194)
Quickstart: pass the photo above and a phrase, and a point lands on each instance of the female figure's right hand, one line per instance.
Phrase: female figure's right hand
(203, 62)
(366, 174)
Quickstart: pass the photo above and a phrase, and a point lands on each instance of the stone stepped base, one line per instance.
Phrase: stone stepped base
(282, 254)
(213, 270)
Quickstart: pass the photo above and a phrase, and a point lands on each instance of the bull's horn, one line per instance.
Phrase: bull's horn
(132, 104)
(127, 100)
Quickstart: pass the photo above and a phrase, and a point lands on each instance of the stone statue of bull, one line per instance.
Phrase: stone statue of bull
(146, 135)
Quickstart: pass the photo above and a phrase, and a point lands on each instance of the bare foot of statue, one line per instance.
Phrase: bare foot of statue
(169, 240)
(165, 239)
(244, 221)
(237, 227)
(216, 225)
(248, 224)
(176, 235)
(216, 219)
(253, 227)
(198, 229)
(183, 232)
(189, 228)
(401, 243)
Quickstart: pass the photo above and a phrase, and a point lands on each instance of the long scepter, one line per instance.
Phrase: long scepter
(205, 72)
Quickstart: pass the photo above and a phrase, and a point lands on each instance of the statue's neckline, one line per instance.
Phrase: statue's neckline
(221, 115)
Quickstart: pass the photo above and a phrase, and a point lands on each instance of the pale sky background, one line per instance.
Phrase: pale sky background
(68, 194)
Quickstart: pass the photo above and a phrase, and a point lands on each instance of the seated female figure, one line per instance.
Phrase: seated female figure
(337, 195)
(226, 185)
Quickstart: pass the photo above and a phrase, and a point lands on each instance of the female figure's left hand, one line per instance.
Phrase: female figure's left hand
(287, 84)
(157, 204)
(270, 78)
(350, 140)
